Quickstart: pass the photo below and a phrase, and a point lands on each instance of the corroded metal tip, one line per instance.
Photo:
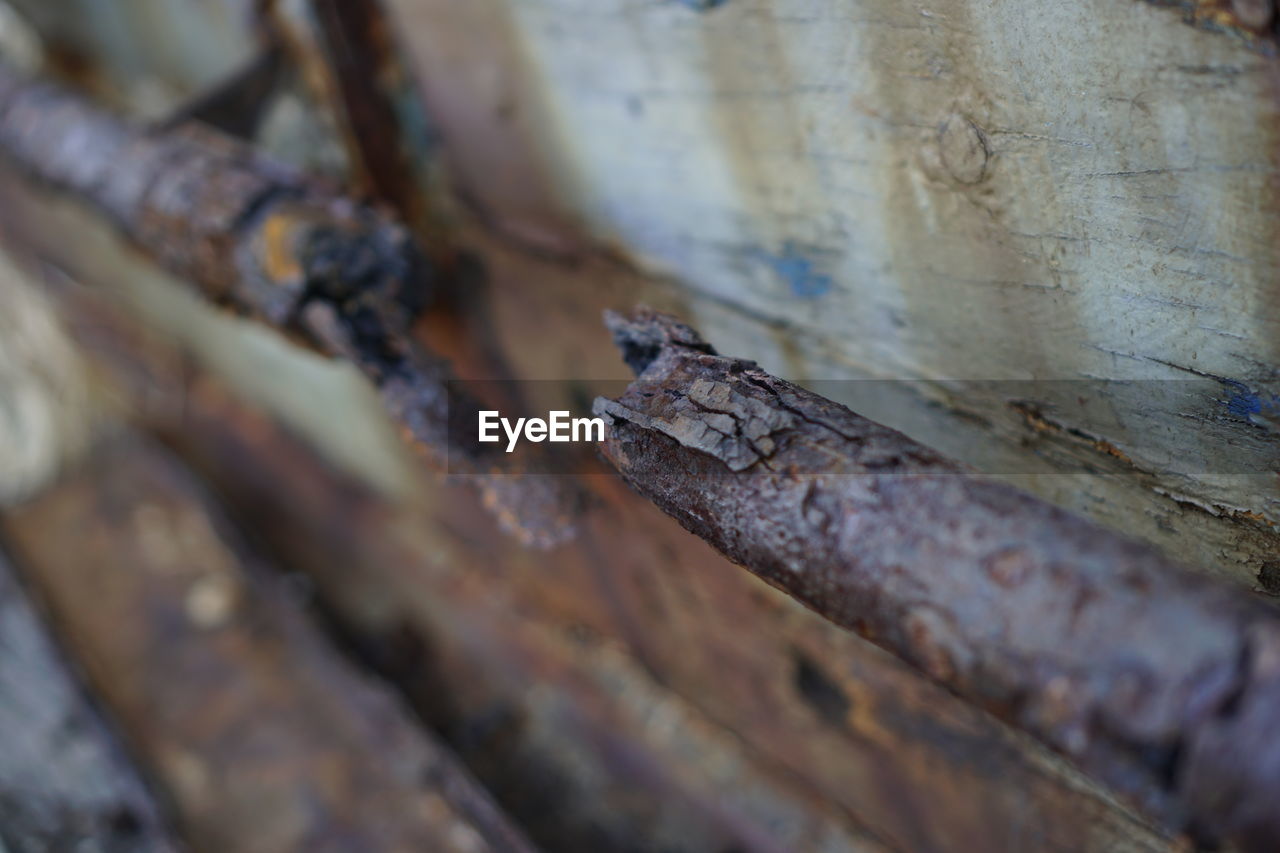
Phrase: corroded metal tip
(643, 336)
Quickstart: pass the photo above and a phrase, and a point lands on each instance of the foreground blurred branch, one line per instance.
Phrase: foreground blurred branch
(262, 737)
(1162, 683)
(257, 236)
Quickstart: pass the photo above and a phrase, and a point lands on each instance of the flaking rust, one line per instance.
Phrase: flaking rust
(259, 237)
(1160, 682)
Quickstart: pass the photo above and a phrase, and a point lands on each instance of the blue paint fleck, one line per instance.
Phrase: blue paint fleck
(798, 272)
(1247, 404)
(1244, 403)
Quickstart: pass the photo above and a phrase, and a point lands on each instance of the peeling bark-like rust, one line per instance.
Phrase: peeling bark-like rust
(1160, 682)
(255, 235)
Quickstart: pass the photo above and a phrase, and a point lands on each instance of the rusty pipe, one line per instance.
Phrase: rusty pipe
(249, 231)
(1160, 682)
(266, 240)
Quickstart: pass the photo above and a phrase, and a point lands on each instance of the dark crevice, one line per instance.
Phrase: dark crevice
(819, 691)
(1269, 577)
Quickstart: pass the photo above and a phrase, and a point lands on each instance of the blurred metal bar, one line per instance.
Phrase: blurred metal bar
(257, 236)
(262, 737)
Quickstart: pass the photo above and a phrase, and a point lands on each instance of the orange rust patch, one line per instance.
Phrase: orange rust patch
(1111, 450)
(1034, 419)
(279, 257)
(1252, 515)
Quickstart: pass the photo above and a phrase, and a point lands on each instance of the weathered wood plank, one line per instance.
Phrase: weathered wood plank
(903, 181)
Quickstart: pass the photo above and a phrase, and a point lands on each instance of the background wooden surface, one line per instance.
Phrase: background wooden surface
(940, 190)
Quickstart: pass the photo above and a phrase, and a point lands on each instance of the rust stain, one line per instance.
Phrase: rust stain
(1036, 420)
(280, 256)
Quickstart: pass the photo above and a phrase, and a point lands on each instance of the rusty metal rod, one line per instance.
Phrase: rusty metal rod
(1158, 681)
(259, 237)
